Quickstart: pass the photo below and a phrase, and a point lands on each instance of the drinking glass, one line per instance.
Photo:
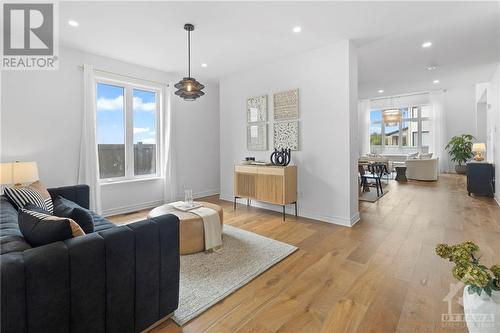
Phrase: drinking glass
(188, 196)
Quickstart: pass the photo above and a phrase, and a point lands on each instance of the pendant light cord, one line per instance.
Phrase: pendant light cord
(189, 53)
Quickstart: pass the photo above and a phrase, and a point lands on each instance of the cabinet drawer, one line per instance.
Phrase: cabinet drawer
(245, 169)
(271, 171)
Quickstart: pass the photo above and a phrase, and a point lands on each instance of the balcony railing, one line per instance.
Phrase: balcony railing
(112, 160)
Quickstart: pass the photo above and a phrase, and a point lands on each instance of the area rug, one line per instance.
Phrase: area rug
(207, 278)
(371, 196)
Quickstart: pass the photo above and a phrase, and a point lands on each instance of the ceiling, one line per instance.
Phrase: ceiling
(232, 36)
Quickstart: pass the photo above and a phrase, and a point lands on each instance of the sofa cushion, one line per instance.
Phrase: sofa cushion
(101, 223)
(34, 193)
(66, 208)
(11, 238)
(40, 228)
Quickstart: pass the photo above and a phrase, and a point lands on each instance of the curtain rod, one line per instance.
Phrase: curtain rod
(402, 95)
(126, 76)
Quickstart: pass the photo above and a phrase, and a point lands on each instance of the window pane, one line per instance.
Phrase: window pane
(410, 112)
(110, 130)
(410, 133)
(145, 145)
(376, 128)
(392, 134)
(375, 116)
(376, 134)
(426, 111)
(426, 137)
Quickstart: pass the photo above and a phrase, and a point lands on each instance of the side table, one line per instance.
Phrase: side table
(401, 174)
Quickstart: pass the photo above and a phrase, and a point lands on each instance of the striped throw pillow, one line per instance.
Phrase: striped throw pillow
(35, 194)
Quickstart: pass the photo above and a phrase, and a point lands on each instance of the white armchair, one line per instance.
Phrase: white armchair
(422, 169)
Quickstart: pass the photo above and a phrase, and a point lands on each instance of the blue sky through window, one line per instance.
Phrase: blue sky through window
(144, 116)
(375, 122)
(111, 115)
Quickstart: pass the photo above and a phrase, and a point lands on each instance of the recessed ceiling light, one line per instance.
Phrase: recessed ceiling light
(431, 68)
(297, 29)
(204, 65)
(381, 91)
(435, 81)
(427, 44)
(73, 23)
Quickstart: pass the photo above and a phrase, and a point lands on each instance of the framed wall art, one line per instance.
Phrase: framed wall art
(257, 109)
(286, 105)
(286, 135)
(257, 137)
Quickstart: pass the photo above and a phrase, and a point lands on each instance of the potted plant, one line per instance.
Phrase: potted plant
(460, 150)
(481, 296)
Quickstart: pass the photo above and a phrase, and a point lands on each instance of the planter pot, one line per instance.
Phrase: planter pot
(461, 169)
(482, 313)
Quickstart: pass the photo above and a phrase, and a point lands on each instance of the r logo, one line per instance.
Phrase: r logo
(28, 29)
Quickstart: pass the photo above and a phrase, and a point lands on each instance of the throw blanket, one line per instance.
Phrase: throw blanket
(212, 227)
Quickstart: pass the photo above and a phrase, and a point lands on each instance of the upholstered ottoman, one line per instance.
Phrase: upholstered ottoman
(192, 234)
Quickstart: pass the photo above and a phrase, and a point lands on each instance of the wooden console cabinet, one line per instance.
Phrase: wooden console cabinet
(272, 184)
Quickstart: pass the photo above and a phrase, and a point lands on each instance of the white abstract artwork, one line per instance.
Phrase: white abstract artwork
(257, 109)
(286, 135)
(257, 137)
(286, 105)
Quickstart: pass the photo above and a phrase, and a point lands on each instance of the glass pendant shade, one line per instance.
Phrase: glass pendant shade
(188, 88)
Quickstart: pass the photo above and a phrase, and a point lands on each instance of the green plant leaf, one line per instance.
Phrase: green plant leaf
(460, 148)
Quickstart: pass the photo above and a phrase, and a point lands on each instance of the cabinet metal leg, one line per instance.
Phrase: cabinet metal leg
(284, 212)
(235, 203)
(295, 208)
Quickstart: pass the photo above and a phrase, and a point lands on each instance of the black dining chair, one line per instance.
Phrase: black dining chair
(371, 174)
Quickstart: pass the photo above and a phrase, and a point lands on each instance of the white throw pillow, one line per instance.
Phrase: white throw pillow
(424, 156)
(412, 156)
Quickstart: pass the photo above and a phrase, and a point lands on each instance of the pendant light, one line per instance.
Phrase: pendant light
(188, 88)
(392, 116)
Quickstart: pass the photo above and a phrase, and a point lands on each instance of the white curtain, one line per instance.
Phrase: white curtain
(364, 126)
(88, 171)
(438, 123)
(169, 174)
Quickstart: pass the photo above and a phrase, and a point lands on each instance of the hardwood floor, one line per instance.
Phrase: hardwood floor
(380, 276)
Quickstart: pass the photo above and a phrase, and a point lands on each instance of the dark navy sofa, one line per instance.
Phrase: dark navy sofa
(117, 279)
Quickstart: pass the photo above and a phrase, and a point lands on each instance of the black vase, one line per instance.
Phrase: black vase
(281, 157)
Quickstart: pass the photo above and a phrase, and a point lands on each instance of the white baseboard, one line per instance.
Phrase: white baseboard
(131, 208)
(290, 209)
(206, 193)
(497, 199)
(152, 204)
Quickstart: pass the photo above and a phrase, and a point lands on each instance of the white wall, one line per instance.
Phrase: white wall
(493, 101)
(41, 116)
(459, 113)
(327, 84)
(196, 140)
